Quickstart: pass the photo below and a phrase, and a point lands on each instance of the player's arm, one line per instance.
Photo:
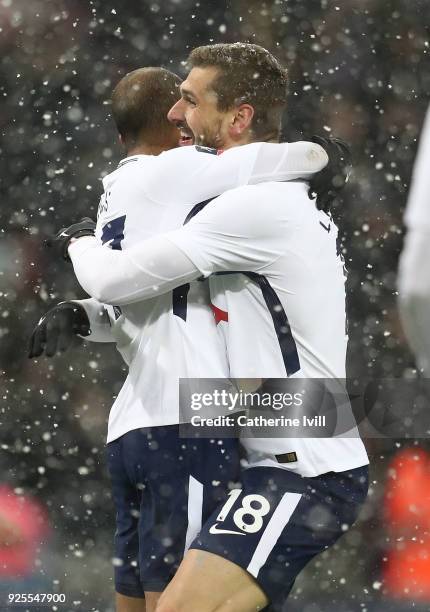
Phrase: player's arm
(197, 174)
(121, 277)
(99, 322)
(414, 270)
(57, 329)
(153, 267)
(223, 237)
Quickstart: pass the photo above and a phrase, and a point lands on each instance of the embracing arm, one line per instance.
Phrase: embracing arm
(287, 161)
(235, 232)
(153, 267)
(100, 327)
(199, 175)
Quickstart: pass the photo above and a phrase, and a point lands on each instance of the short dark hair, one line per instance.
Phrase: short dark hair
(247, 74)
(141, 101)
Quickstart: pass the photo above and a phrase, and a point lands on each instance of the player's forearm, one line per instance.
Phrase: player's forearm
(101, 329)
(287, 162)
(414, 295)
(273, 162)
(153, 267)
(248, 164)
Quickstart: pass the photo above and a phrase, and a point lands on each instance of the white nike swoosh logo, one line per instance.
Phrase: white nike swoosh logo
(214, 530)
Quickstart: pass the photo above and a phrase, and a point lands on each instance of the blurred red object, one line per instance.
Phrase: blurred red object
(23, 528)
(407, 510)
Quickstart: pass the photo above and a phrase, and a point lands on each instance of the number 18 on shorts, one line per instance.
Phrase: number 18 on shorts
(278, 521)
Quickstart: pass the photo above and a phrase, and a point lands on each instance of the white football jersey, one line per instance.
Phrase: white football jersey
(285, 314)
(414, 264)
(417, 214)
(174, 335)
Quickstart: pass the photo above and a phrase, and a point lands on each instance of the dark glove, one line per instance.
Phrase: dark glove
(61, 241)
(327, 183)
(57, 329)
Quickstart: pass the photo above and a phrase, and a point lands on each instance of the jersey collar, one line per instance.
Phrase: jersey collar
(132, 158)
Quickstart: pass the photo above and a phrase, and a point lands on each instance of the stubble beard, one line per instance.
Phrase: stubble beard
(209, 136)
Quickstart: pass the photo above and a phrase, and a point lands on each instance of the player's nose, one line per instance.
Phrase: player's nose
(176, 113)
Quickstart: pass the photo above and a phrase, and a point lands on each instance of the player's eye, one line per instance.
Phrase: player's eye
(190, 101)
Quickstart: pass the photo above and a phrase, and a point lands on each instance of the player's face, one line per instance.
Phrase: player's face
(196, 113)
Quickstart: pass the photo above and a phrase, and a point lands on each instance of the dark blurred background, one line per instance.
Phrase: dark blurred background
(359, 69)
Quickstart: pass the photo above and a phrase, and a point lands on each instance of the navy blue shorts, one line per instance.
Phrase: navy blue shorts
(164, 488)
(278, 521)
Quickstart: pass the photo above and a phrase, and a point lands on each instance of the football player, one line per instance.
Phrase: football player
(285, 310)
(161, 339)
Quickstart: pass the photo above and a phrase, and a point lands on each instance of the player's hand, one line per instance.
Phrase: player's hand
(60, 242)
(57, 329)
(327, 183)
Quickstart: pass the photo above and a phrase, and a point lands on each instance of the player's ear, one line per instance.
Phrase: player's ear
(242, 119)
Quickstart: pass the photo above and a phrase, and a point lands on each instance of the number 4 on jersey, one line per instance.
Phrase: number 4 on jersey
(113, 232)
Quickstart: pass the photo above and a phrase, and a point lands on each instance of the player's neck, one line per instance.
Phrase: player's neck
(145, 149)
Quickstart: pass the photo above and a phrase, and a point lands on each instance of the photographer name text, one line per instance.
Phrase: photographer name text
(257, 421)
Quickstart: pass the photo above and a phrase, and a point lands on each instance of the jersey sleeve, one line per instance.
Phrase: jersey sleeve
(153, 267)
(417, 213)
(195, 174)
(238, 231)
(101, 329)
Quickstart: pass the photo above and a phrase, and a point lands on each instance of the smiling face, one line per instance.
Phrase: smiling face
(197, 116)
